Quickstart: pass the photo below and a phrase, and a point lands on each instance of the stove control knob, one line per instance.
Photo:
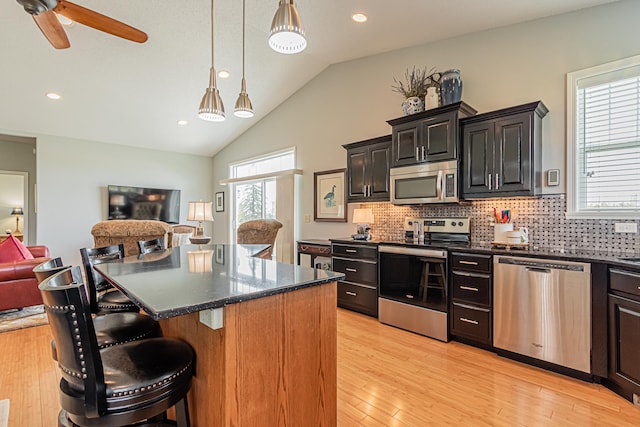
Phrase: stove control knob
(453, 223)
(460, 224)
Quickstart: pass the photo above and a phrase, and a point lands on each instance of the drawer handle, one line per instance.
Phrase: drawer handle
(353, 294)
(464, 319)
(468, 262)
(353, 251)
(469, 288)
(353, 270)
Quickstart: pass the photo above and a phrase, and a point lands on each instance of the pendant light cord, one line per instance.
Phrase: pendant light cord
(243, 35)
(212, 34)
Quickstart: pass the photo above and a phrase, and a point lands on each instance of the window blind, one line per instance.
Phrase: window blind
(608, 141)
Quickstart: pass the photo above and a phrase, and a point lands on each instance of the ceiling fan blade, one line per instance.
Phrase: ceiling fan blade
(52, 29)
(98, 21)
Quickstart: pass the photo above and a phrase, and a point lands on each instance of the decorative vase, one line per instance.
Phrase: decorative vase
(432, 99)
(412, 105)
(450, 87)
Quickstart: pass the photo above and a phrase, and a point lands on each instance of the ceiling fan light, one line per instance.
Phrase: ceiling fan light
(243, 107)
(287, 35)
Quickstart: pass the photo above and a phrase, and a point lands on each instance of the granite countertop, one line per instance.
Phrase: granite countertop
(191, 278)
(569, 254)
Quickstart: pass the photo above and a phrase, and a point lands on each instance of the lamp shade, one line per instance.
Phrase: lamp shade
(200, 211)
(287, 34)
(17, 211)
(362, 216)
(200, 261)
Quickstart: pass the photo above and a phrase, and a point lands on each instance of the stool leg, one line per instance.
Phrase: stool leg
(425, 281)
(182, 413)
(443, 281)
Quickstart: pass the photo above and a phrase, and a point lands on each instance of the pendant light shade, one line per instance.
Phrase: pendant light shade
(243, 106)
(287, 35)
(211, 106)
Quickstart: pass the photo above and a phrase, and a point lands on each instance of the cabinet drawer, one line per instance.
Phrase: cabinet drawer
(471, 322)
(358, 298)
(355, 251)
(314, 249)
(471, 262)
(625, 281)
(357, 271)
(471, 287)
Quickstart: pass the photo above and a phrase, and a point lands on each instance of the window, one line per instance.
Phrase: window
(603, 140)
(265, 187)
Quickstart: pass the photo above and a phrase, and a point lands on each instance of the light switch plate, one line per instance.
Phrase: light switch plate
(553, 177)
(625, 227)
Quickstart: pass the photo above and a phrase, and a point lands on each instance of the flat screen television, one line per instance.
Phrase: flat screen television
(143, 203)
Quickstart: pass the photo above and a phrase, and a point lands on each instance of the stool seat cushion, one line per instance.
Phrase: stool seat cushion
(115, 300)
(119, 328)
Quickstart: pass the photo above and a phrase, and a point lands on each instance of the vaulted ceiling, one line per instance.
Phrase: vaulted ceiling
(122, 92)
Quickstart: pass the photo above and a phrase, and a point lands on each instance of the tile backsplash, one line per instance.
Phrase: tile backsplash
(544, 216)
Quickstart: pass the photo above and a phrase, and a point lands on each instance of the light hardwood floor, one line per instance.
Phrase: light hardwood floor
(386, 377)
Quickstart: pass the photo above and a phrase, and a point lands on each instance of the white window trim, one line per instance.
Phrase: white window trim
(572, 79)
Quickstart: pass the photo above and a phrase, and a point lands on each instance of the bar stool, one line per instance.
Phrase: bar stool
(437, 272)
(114, 386)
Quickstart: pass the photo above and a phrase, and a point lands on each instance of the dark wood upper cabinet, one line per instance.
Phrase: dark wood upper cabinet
(502, 152)
(430, 136)
(368, 164)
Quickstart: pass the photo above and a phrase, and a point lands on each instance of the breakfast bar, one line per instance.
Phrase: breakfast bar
(264, 332)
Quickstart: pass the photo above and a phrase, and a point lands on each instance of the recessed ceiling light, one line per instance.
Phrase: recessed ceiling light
(182, 122)
(53, 95)
(223, 74)
(359, 17)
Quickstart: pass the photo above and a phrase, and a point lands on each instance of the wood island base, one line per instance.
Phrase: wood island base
(273, 363)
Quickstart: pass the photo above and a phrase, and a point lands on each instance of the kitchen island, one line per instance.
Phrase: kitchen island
(264, 333)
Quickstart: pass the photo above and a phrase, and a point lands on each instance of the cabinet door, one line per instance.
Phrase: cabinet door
(356, 173)
(624, 345)
(513, 156)
(439, 137)
(477, 159)
(378, 171)
(405, 144)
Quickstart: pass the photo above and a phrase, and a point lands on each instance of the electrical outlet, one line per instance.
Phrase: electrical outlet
(307, 218)
(625, 227)
(213, 318)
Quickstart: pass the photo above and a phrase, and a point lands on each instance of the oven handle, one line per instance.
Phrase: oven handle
(433, 253)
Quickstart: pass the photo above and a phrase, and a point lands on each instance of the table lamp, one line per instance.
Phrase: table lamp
(200, 211)
(17, 212)
(362, 217)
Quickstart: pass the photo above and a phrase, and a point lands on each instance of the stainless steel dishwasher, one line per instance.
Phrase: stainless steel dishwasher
(542, 309)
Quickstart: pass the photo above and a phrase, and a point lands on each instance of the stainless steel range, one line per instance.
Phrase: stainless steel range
(413, 275)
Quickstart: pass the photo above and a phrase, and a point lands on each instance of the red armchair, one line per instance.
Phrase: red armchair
(18, 284)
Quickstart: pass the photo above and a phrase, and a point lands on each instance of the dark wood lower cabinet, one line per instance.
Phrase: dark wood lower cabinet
(359, 263)
(624, 347)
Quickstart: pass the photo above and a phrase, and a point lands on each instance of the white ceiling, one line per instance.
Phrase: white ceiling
(133, 94)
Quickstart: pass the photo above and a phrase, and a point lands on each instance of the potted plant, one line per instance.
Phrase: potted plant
(414, 88)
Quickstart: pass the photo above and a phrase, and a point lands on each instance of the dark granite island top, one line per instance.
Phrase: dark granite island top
(264, 333)
(193, 278)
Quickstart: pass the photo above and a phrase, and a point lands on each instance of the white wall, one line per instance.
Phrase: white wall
(72, 180)
(500, 68)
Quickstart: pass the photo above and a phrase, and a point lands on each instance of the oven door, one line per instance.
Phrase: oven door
(414, 276)
(427, 183)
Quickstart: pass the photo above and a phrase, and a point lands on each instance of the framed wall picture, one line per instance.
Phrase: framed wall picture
(328, 195)
(220, 201)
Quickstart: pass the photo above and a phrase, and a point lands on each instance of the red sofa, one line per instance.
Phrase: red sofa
(18, 284)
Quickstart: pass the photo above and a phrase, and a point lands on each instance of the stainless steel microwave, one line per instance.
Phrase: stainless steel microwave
(425, 183)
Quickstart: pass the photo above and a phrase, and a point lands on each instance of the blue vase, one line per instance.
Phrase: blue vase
(450, 87)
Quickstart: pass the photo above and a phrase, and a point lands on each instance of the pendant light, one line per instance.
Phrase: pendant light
(211, 106)
(243, 106)
(287, 34)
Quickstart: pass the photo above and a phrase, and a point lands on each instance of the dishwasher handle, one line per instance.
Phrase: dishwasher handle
(539, 270)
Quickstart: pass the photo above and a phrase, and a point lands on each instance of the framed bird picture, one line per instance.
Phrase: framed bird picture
(328, 193)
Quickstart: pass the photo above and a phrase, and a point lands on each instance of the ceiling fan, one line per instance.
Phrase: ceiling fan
(44, 14)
